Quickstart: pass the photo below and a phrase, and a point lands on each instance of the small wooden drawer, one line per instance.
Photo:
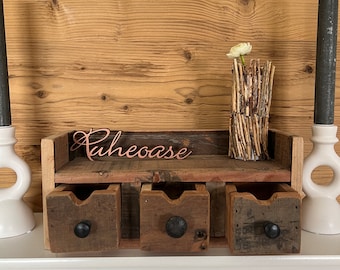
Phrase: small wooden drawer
(174, 217)
(263, 218)
(84, 217)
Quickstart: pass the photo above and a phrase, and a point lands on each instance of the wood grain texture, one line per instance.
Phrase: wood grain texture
(101, 211)
(249, 209)
(56, 154)
(195, 169)
(150, 65)
(156, 210)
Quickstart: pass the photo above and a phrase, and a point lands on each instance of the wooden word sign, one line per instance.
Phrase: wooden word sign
(96, 144)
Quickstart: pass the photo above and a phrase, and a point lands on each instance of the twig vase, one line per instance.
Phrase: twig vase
(251, 100)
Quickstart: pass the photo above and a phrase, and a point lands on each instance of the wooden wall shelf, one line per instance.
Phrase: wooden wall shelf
(208, 164)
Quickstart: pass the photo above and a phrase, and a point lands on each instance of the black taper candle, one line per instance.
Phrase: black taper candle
(326, 62)
(5, 106)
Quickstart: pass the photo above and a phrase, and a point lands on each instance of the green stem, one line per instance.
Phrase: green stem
(242, 60)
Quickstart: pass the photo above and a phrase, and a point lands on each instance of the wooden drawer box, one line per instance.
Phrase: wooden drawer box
(174, 221)
(263, 218)
(84, 218)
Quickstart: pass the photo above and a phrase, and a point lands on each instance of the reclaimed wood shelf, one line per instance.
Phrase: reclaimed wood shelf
(207, 164)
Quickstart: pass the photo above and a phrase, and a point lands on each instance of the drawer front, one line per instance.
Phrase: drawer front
(174, 224)
(84, 218)
(269, 225)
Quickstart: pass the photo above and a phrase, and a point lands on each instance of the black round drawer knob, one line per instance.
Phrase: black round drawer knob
(82, 229)
(176, 227)
(271, 230)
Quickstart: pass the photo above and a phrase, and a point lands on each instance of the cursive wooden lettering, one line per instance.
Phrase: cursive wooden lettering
(94, 139)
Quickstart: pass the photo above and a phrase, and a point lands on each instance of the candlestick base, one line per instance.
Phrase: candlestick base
(320, 208)
(16, 218)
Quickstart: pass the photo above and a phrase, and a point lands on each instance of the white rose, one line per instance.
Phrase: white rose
(239, 50)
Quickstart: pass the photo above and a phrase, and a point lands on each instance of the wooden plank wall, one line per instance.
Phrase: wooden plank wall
(150, 65)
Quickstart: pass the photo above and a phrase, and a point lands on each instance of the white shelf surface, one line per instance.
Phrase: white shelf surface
(27, 252)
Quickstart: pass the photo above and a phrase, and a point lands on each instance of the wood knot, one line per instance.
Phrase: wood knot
(125, 107)
(41, 94)
(36, 85)
(78, 66)
(308, 69)
(55, 5)
(187, 55)
(245, 2)
(189, 100)
(247, 6)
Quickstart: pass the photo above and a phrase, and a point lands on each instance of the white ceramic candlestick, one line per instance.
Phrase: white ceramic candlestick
(16, 217)
(320, 208)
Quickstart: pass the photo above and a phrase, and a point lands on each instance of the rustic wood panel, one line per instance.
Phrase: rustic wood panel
(156, 209)
(151, 65)
(217, 206)
(198, 142)
(130, 211)
(195, 169)
(245, 220)
(100, 211)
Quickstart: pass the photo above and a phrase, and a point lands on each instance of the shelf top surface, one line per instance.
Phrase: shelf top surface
(208, 168)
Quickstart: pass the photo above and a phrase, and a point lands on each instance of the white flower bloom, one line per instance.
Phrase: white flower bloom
(239, 50)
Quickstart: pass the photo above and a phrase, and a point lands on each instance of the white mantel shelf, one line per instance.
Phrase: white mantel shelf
(27, 252)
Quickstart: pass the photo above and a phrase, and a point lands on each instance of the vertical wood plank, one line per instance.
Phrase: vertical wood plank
(217, 208)
(297, 164)
(54, 155)
(130, 219)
